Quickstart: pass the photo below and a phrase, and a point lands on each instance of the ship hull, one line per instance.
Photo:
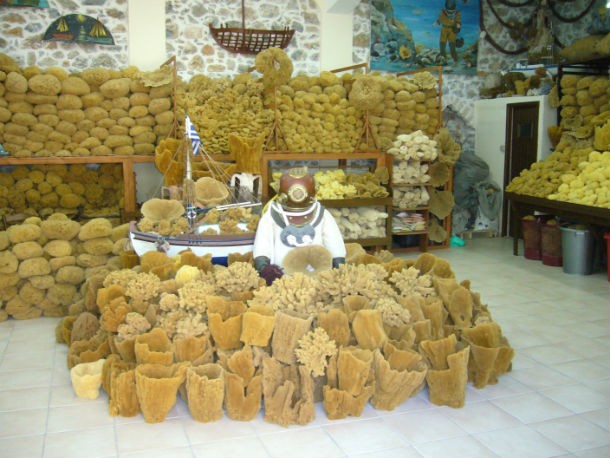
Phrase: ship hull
(219, 246)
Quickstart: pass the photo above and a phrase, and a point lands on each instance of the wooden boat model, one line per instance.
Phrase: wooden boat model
(202, 238)
(250, 41)
(219, 246)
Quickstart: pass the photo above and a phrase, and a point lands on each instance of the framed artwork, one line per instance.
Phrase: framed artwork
(35, 3)
(80, 28)
(410, 35)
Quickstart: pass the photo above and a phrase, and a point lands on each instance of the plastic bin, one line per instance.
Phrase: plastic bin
(530, 228)
(607, 237)
(577, 249)
(550, 244)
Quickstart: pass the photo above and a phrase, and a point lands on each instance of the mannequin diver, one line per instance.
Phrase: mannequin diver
(294, 219)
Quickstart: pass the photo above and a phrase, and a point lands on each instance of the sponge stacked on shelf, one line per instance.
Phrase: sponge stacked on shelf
(578, 170)
(94, 113)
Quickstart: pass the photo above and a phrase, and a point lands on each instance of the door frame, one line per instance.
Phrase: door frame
(511, 108)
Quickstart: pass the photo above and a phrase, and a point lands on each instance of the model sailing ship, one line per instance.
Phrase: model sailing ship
(205, 215)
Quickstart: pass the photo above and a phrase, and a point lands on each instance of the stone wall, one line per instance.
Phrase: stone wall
(188, 36)
(22, 28)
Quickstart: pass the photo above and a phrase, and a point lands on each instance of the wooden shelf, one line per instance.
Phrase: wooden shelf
(381, 242)
(414, 209)
(423, 231)
(380, 158)
(127, 162)
(521, 205)
(409, 185)
(355, 202)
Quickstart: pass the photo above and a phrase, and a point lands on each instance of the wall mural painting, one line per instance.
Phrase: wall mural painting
(410, 35)
(34, 3)
(79, 28)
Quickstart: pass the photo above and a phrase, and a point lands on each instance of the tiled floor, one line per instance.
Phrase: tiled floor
(554, 403)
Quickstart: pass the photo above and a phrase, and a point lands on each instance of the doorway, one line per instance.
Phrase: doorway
(521, 149)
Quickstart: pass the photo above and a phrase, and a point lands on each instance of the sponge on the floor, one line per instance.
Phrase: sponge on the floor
(157, 386)
(490, 354)
(205, 387)
(87, 379)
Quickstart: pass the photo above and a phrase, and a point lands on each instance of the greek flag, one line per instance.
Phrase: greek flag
(192, 134)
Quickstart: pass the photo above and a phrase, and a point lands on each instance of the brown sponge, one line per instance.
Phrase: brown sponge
(104, 296)
(205, 388)
(196, 349)
(114, 314)
(460, 307)
(336, 325)
(226, 333)
(242, 401)
(288, 330)
(436, 313)
(367, 327)
(308, 260)
(445, 287)
(247, 152)
(398, 376)
(490, 354)
(257, 325)
(119, 382)
(126, 348)
(86, 351)
(350, 383)
(353, 303)
(353, 366)
(242, 363)
(85, 326)
(157, 386)
(154, 347)
(448, 373)
(288, 393)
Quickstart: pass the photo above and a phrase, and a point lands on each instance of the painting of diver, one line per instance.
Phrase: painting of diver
(413, 34)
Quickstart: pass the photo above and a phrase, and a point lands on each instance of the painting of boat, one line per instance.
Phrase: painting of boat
(62, 31)
(78, 28)
(202, 233)
(33, 3)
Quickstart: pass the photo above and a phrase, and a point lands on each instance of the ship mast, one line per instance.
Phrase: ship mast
(189, 185)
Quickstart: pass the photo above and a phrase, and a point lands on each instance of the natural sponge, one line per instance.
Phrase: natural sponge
(97, 227)
(87, 379)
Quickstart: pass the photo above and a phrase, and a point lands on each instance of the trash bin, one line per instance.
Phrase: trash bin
(607, 237)
(530, 228)
(550, 243)
(577, 250)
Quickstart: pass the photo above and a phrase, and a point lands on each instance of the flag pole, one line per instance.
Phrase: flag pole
(191, 212)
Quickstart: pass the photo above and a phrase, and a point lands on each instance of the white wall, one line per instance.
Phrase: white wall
(490, 132)
(336, 33)
(146, 34)
(146, 39)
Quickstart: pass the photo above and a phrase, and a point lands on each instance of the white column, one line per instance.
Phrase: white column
(146, 50)
(336, 33)
(146, 32)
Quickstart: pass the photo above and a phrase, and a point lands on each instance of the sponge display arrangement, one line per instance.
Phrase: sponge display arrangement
(44, 263)
(376, 330)
(578, 170)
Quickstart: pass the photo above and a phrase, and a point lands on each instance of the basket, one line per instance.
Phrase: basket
(550, 245)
